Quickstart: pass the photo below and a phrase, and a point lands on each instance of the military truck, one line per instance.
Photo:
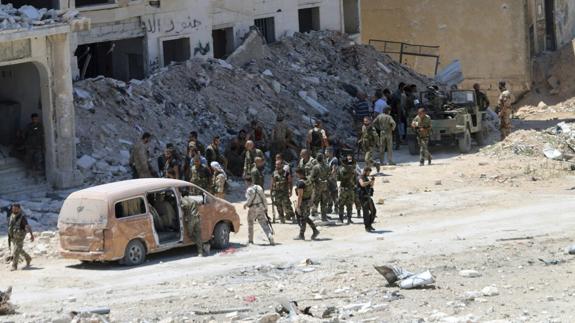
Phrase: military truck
(456, 119)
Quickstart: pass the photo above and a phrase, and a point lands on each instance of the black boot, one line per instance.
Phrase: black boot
(315, 234)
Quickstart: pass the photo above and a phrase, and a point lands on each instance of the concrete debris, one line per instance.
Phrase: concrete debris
(309, 77)
(405, 279)
(469, 273)
(269, 318)
(27, 17)
(571, 250)
(490, 291)
(6, 308)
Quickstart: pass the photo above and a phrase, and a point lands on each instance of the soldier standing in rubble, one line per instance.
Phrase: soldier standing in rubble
(303, 206)
(506, 98)
(18, 227)
(257, 134)
(347, 177)
(281, 190)
(194, 142)
(306, 162)
(34, 145)
(365, 193)
(257, 172)
(213, 153)
(319, 177)
(369, 141)
(140, 159)
(361, 109)
(421, 124)
(193, 222)
(333, 163)
(482, 100)
(219, 179)
(250, 155)
(257, 205)
(200, 175)
(386, 126)
(317, 139)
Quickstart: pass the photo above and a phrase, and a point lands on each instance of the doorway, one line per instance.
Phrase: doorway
(176, 50)
(267, 27)
(351, 15)
(223, 40)
(550, 36)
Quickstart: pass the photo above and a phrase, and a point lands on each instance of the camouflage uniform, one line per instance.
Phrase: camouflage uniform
(17, 227)
(386, 125)
(423, 130)
(257, 176)
(193, 222)
(369, 140)
(332, 186)
(34, 143)
(304, 211)
(201, 177)
(257, 205)
(250, 160)
(280, 192)
(307, 166)
(347, 178)
(319, 177)
(505, 100)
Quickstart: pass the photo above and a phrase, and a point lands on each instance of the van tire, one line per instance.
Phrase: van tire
(135, 254)
(221, 238)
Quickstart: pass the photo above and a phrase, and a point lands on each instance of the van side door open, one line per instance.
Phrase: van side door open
(165, 210)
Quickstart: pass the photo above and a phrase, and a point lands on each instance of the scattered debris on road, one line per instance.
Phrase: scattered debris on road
(6, 308)
(405, 279)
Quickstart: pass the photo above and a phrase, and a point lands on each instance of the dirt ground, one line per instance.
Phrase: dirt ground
(445, 218)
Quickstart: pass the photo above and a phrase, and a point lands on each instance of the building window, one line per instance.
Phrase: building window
(176, 50)
(223, 40)
(267, 27)
(88, 3)
(308, 19)
(131, 207)
(121, 59)
(351, 16)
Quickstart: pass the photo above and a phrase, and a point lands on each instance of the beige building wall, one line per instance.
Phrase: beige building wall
(489, 37)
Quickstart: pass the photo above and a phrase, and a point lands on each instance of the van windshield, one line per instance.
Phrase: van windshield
(84, 211)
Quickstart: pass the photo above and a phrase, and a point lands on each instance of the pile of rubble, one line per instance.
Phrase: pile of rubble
(543, 109)
(555, 143)
(27, 17)
(304, 77)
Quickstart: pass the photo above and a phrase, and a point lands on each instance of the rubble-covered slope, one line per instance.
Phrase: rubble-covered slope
(302, 77)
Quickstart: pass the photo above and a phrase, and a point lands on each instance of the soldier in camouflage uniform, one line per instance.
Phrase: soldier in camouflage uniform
(250, 157)
(347, 177)
(306, 162)
(281, 191)
(200, 175)
(421, 124)
(193, 222)
(17, 229)
(505, 110)
(319, 177)
(333, 163)
(369, 140)
(304, 193)
(257, 172)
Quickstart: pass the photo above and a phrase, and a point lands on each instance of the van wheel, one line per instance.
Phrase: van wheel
(465, 142)
(221, 238)
(135, 253)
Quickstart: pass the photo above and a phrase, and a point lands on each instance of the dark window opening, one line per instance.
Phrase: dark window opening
(223, 40)
(87, 3)
(267, 27)
(351, 16)
(122, 60)
(308, 19)
(176, 50)
(128, 208)
(551, 40)
(48, 4)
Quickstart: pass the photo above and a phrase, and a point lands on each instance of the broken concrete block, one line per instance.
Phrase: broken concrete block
(86, 162)
(490, 291)
(469, 273)
(269, 318)
(30, 12)
(268, 73)
(253, 48)
(276, 86)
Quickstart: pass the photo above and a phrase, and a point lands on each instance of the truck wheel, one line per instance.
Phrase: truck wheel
(465, 142)
(135, 253)
(481, 136)
(221, 238)
(413, 146)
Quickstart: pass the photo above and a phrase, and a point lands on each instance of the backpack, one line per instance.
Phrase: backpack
(316, 138)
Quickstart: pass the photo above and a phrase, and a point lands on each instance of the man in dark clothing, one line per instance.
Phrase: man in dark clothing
(482, 100)
(397, 103)
(361, 109)
(213, 153)
(365, 190)
(194, 142)
(34, 145)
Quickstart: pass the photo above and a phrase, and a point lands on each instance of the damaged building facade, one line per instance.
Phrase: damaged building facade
(125, 39)
(131, 39)
(494, 40)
